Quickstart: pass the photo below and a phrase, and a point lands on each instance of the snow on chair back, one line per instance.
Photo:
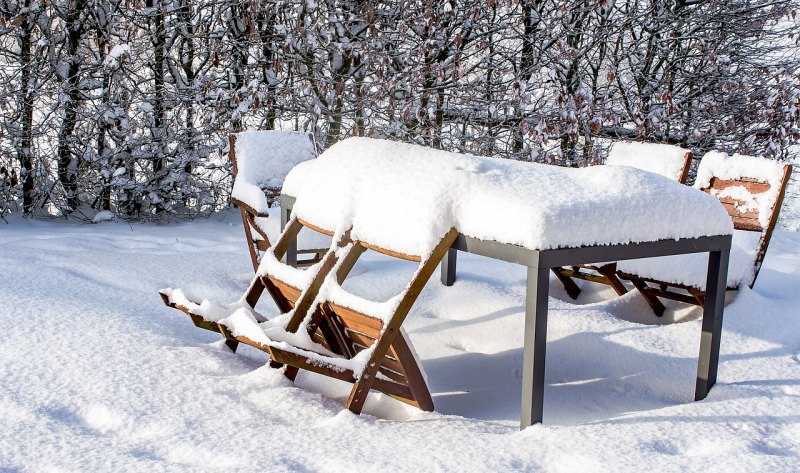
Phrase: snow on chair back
(261, 160)
(667, 160)
(750, 188)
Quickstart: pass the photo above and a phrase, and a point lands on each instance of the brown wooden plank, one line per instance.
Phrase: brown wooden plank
(350, 316)
(734, 210)
(392, 253)
(293, 359)
(316, 228)
(753, 186)
(675, 296)
(416, 382)
(747, 224)
(288, 291)
(393, 375)
(687, 164)
(359, 338)
(572, 289)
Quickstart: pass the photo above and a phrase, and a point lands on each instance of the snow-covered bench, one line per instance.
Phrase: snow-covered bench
(405, 198)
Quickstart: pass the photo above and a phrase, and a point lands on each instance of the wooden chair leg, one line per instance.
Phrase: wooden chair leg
(572, 289)
(416, 382)
(230, 340)
(291, 372)
(610, 272)
(699, 296)
(652, 301)
(358, 395)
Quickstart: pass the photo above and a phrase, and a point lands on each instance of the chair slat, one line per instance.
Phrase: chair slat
(753, 186)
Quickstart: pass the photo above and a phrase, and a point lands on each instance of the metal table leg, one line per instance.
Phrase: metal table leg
(291, 252)
(533, 360)
(449, 267)
(716, 282)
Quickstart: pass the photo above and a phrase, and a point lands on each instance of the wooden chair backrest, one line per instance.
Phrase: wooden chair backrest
(623, 146)
(749, 219)
(249, 214)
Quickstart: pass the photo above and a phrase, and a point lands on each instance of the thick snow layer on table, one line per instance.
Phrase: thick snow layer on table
(263, 158)
(406, 197)
(666, 160)
(98, 375)
(722, 166)
(691, 269)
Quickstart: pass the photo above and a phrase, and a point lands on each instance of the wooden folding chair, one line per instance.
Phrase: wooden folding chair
(285, 296)
(746, 220)
(387, 361)
(253, 206)
(670, 161)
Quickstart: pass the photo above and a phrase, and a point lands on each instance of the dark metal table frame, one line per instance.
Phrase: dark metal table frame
(539, 264)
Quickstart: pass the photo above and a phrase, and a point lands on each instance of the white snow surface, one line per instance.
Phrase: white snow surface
(691, 269)
(96, 374)
(263, 159)
(720, 165)
(663, 159)
(406, 197)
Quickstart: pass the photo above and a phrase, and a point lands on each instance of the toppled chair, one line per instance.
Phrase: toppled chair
(261, 160)
(669, 161)
(319, 330)
(751, 189)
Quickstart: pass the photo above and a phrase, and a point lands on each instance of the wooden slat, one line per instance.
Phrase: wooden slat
(359, 338)
(747, 224)
(733, 209)
(392, 332)
(350, 316)
(288, 358)
(742, 219)
(393, 375)
(392, 253)
(675, 296)
(753, 186)
(316, 228)
(288, 291)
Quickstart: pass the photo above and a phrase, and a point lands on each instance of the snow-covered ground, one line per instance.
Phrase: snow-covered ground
(96, 374)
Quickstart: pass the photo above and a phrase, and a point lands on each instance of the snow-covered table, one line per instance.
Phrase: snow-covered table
(405, 196)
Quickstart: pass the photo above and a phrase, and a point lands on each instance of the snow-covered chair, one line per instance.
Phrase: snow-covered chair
(261, 160)
(669, 161)
(368, 348)
(751, 189)
(329, 331)
(297, 295)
